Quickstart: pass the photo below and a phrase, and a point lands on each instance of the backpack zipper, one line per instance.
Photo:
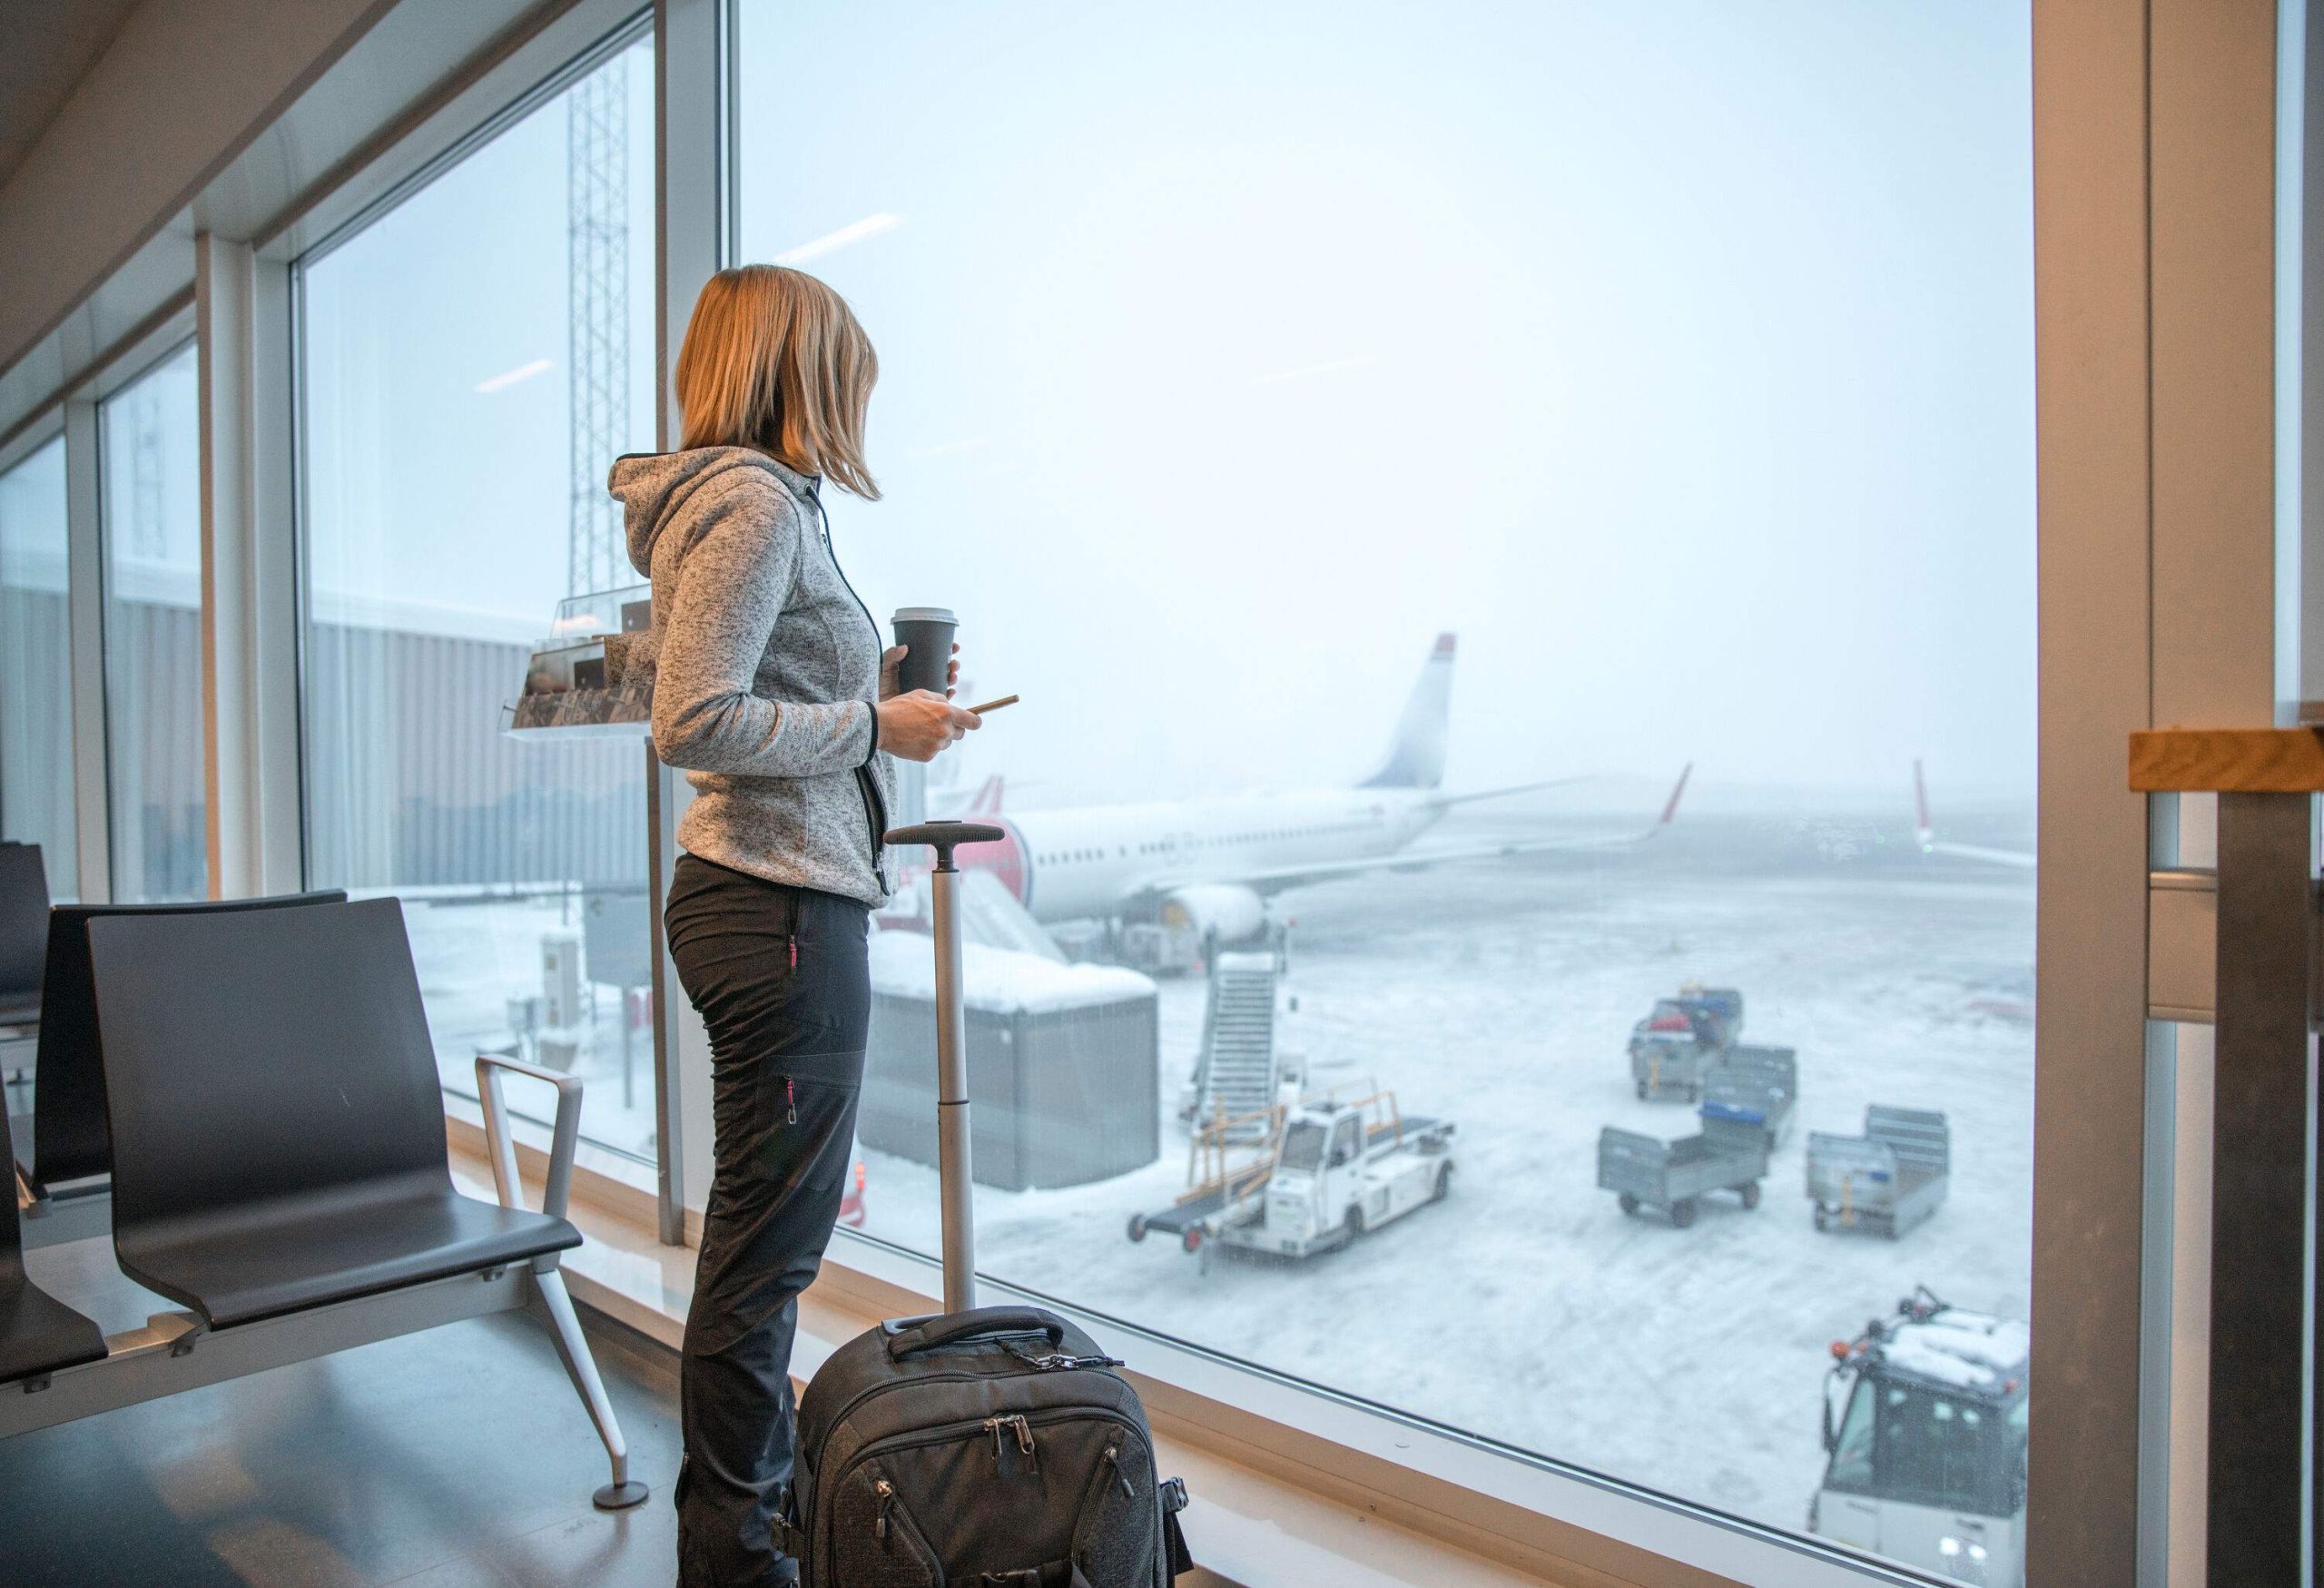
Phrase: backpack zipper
(885, 1385)
(905, 1527)
(948, 1433)
(1023, 1428)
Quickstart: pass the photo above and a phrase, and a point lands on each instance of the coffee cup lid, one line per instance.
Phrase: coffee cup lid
(924, 615)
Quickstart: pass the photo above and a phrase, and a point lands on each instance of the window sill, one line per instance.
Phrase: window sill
(1290, 1485)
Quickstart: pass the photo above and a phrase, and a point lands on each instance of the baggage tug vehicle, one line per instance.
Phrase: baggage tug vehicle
(1925, 1424)
(1330, 1171)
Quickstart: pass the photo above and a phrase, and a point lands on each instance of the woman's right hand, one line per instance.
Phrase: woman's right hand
(919, 725)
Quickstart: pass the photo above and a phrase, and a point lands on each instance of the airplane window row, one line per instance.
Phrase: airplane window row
(1156, 846)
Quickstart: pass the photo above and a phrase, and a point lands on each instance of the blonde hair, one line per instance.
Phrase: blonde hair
(775, 360)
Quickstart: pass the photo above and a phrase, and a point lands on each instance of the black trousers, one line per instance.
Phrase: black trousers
(781, 977)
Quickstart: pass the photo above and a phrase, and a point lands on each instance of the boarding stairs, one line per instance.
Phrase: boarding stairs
(1238, 1073)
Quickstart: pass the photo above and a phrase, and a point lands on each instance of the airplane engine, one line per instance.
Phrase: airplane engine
(1220, 910)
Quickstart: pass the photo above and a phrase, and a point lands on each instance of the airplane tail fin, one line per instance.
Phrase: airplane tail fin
(1670, 809)
(1415, 757)
(988, 800)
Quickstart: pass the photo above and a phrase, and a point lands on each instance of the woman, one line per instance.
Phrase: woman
(771, 689)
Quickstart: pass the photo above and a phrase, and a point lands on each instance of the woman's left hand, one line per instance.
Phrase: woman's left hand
(893, 658)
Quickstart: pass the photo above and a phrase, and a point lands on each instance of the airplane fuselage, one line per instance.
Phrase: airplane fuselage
(1101, 862)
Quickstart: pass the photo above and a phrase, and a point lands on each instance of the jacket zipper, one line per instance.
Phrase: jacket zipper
(863, 774)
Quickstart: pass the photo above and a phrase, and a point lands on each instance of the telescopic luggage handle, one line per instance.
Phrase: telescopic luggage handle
(953, 1170)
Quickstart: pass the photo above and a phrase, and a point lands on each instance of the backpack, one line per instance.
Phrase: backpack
(994, 1448)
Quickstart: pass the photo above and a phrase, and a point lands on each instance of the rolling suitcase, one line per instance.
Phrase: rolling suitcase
(985, 1447)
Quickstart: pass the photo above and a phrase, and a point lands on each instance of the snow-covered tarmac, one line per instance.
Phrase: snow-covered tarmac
(1527, 1307)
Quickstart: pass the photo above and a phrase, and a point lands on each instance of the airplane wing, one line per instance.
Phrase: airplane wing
(1925, 834)
(1515, 788)
(2012, 857)
(1278, 878)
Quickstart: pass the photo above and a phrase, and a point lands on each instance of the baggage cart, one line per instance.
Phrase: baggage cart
(1754, 1086)
(1886, 1181)
(1645, 1171)
(1674, 1047)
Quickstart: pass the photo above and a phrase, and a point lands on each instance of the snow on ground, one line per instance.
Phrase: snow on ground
(1526, 1307)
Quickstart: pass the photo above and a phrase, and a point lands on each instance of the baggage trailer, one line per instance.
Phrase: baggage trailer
(1886, 1181)
(1645, 1171)
(1755, 1086)
(1334, 1170)
(1672, 1049)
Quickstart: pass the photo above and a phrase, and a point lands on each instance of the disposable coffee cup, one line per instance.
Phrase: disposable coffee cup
(926, 634)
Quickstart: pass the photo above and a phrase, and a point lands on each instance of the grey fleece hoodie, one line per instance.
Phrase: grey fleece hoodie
(765, 666)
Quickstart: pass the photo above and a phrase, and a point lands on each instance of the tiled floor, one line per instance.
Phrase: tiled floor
(458, 1457)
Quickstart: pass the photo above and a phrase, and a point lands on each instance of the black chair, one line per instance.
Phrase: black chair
(38, 1334)
(71, 1155)
(24, 932)
(279, 1156)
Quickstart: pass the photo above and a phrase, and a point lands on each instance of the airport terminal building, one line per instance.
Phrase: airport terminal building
(1643, 815)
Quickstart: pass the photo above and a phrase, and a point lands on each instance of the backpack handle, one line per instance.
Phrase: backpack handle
(932, 1333)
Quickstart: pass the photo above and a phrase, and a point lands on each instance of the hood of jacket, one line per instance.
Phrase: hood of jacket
(654, 488)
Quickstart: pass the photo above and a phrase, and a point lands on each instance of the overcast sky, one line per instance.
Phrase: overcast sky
(1680, 358)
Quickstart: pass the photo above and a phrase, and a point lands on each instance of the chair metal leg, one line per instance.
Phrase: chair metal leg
(572, 1347)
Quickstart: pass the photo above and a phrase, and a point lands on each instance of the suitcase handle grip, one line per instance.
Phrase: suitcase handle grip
(944, 836)
(969, 1326)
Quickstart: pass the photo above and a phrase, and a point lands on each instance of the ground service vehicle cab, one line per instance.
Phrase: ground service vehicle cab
(1924, 1421)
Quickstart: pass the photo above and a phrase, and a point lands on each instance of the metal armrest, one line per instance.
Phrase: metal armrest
(501, 1146)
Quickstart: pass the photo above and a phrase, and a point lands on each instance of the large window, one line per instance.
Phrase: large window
(36, 668)
(1675, 365)
(474, 360)
(149, 433)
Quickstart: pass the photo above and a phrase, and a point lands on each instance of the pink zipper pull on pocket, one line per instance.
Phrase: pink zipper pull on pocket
(794, 952)
(791, 1098)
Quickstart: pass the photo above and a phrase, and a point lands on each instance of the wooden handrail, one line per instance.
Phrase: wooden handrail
(2227, 760)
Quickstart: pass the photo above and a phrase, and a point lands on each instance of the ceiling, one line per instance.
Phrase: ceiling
(46, 47)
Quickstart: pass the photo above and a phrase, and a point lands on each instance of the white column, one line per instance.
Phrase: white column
(249, 610)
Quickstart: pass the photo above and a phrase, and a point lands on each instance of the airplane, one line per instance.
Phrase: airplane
(1179, 874)
(1926, 835)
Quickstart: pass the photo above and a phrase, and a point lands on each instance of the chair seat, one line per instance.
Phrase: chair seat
(278, 1259)
(38, 1333)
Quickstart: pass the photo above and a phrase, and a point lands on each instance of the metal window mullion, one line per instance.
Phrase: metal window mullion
(85, 609)
(275, 598)
(693, 131)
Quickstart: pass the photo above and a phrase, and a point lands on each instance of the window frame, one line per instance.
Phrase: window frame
(2149, 464)
(615, 1165)
(20, 449)
(124, 374)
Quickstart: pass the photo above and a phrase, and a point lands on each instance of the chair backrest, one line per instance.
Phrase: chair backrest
(24, 924)
(256, 1055)
(69, 1140)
